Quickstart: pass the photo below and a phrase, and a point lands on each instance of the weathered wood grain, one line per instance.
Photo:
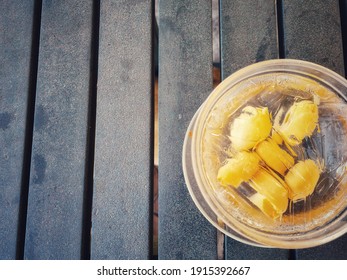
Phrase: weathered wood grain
(122, 198)
(185, 80)
(16, 24)
(55, 202)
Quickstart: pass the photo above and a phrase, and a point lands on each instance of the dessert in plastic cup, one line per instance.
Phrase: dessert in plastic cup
(265, 156)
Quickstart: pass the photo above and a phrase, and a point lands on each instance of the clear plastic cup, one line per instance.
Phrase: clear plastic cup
(307, 221)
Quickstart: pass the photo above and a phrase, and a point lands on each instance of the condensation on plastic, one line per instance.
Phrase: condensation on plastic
(276, 85)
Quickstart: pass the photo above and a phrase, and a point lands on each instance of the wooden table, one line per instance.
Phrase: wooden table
(77, 118)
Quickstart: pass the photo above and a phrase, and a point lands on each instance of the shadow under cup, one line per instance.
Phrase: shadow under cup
(274, 84)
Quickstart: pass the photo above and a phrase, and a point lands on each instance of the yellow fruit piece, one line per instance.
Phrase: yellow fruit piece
(238, 169)
(302, 179)
(276, 137)
(252, 126)
(264, 205)
(299, 122)
(275, 157)
(273, 189)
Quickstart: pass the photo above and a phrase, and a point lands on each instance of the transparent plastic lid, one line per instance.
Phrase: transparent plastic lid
(267, 155)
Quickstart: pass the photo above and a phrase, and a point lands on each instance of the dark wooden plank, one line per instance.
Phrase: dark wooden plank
(16, 21)
(122, 198)
(313, 32)
(185, 80)
(55, 203)
(248, 35)
(236, 250)
(335, 250)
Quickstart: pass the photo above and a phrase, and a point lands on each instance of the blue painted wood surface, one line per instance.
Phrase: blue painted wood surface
(16, 29)
(185, 80)
(57, 180)
(122, 196)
